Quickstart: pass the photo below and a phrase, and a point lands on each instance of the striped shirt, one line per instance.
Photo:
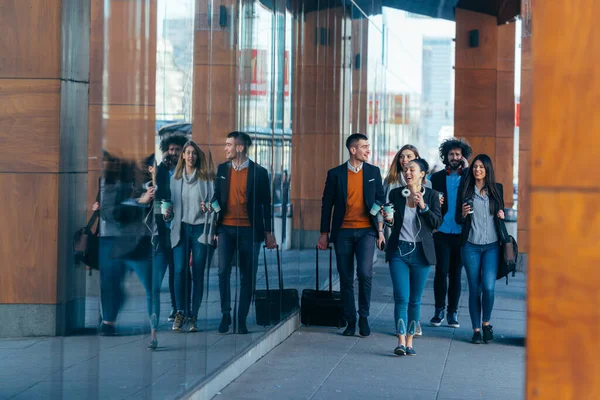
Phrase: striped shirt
(483, 226)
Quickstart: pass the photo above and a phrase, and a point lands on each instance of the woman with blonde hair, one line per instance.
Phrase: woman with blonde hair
(192, 229)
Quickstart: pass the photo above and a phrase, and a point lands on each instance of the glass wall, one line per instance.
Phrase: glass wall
(211, 128)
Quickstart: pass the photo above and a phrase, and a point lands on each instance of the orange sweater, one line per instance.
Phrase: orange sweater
(357, 216)
(236, 213)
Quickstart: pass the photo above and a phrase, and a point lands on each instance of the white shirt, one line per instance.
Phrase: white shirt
(241, 167)
(353, 169)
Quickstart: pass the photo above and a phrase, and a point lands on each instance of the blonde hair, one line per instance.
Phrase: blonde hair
(395, 172)
(205, 168)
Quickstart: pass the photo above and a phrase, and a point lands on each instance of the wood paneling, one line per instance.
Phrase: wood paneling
(485, 55)
(475, 102)
(30, 39)
(30, 125)
(505, 104)
(28, 234)
(563, 286)
(564, 279)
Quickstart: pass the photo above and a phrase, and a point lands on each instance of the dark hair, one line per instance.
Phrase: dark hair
(354, 138)
(176, 139)
(496, 202)
(423, 165)
(395, 169)
(241, 138)
(454, 143)
(149, 161)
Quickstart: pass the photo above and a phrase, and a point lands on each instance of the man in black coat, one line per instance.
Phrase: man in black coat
(352, 190)
(448, 270)
(243, 194)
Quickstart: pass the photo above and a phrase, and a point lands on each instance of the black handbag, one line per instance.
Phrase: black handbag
(509, 253)
(272, 305)
(86, 244)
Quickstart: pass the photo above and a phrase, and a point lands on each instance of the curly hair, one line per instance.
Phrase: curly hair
(454, 143)
(175, 139)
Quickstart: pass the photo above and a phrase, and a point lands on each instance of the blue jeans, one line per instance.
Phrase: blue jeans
(201, 256)
(409, 270)
(348, 244)
(112, 272)
(240, 240)
(481, 265)
(160, 261)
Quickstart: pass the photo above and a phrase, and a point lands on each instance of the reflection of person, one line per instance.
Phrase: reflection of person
(192, 230)
(411, 251)
(160, 245)
(481, 248)
(124, 238)
(352, 189)
(244, 221)
(285, 199)
(170, 147)
(453, 153)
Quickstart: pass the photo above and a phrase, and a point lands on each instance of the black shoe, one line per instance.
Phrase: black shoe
(350, 329)
(488, 334)
(172, 315)
(453, 320)
(438, 317)
(225, 322)
(477, 338)
(242, 328)
(400, 350)
(363, 327)
(410, 351)
(107, 330)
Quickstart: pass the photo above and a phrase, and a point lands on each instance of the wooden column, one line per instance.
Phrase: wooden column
(484, 99)
(564, 279)
(318, 75)
(43, 96)
(215, 76)
(123, 79)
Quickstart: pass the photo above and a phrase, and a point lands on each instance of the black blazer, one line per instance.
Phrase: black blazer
(258, 196)
(466, 222)
(335, 195)
(163, 192)
(430, 220)
(438, 183)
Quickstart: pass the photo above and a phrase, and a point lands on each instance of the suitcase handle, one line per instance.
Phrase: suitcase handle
(280, 276)
(330, 268)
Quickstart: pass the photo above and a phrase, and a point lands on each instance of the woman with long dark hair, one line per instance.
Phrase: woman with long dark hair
(480, 206)
(192, 229)
(410, 250)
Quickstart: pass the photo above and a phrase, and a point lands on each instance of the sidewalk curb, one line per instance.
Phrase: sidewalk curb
(214, 383)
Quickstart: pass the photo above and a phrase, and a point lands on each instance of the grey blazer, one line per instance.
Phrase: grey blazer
(208, 237)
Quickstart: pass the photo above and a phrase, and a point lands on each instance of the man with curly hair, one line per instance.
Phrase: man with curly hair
(454, 154)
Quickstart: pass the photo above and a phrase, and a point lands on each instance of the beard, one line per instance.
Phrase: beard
(454, 164)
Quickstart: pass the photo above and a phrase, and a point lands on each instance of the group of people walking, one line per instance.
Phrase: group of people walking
(186, 209)
(448, 221)
(175, 221)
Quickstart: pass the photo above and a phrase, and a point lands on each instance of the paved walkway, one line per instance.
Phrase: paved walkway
(319, 363)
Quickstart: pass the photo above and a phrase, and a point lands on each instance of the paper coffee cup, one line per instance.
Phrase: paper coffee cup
(215, 206)
(164, 206)
(470, 203)
(375, 208)
(389, 209)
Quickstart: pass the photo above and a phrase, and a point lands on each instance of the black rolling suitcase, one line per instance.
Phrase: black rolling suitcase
(272, 305)
(322, 307)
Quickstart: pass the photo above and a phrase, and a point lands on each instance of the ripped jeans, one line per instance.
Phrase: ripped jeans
(409, 273)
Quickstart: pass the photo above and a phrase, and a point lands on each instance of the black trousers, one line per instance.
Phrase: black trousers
(359, 243)
(447, 271)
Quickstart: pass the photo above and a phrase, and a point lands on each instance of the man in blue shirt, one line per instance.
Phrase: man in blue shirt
(454, 154)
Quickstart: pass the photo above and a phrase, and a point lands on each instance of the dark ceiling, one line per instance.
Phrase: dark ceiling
(504, 10)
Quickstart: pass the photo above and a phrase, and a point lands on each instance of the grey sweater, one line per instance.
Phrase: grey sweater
(186, 198)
